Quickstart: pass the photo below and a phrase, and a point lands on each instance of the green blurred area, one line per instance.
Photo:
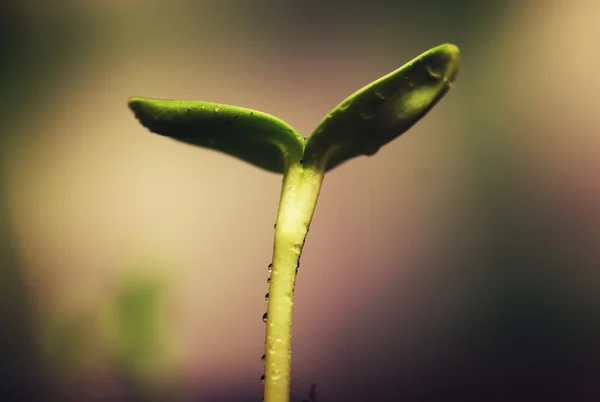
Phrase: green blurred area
(512, 259)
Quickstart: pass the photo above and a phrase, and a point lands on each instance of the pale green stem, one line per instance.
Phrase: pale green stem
(301, 186)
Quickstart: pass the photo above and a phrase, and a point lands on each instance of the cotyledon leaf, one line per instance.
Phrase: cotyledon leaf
(258, 138)
(383, 110)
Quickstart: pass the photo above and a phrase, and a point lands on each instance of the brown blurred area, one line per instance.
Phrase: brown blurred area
(460, 262)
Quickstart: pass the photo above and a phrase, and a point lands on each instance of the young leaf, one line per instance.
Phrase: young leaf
(383, 110)
(252, 136)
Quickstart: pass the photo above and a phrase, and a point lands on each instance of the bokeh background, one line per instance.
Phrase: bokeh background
(459, 263)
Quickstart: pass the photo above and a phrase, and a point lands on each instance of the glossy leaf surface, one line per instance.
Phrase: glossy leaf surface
(384, 109)
(252, 136)
(360, 125)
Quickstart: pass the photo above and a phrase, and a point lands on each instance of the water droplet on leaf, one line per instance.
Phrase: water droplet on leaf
(434, 72)
(263, 358)
(265, 317)
(368, 115)
(267, 297)
(344, 106)
(371, 151)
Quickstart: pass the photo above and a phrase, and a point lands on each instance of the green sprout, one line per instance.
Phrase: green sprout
(360, 125)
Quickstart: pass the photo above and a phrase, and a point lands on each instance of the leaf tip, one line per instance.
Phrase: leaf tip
(447, 55)
(135, 103)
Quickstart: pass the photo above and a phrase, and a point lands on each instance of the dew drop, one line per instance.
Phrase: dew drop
(344, 106)
(368, 115)
(267, 297)
(270, 267)
(434, 72)
(263, 358)
(371, 151)
(269, 280)
(262, 378)
(265, 317)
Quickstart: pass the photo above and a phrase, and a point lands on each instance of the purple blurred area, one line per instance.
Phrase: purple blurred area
(460, 262)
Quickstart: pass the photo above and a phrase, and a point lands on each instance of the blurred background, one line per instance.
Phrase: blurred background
(460, 262)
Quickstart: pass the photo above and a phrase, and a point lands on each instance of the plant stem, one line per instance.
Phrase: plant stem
(301, 186)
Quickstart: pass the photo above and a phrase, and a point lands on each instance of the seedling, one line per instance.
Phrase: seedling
(360, 125)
